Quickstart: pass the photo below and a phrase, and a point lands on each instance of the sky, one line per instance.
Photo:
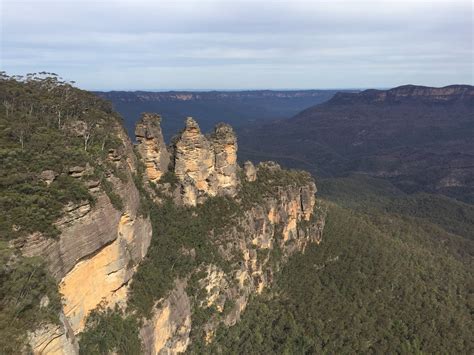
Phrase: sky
(240, 44)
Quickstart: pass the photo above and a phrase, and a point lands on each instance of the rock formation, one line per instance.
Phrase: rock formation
(151, 146)
(224, 143)
(249, 171)
(205, 166)
(95, 256)
(194, 160)
(284, 223)
(167, 332)
(100, 246)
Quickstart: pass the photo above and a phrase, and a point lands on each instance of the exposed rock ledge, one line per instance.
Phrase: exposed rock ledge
(288, 222)
(100, 247)
(94, 257)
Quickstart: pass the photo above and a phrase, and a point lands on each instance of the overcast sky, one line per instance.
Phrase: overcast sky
(240, 44)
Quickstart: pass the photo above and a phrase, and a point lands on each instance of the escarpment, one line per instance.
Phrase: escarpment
(148, 248)
(274, 219)
(267, 214)
(98, 249)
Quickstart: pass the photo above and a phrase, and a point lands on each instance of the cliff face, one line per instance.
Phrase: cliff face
(453, 94)
(101, 246)
(96, 254)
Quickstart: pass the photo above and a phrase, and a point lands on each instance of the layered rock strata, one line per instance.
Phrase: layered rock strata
(151, 146)
(264, 236)
(96, 254)
(100, 247)
(204, 166)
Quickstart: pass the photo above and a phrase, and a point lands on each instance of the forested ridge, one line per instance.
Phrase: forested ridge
(383, 280)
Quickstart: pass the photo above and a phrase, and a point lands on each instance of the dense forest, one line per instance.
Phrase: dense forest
(388, 277)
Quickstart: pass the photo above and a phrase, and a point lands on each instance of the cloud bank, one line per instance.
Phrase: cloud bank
(240, 44)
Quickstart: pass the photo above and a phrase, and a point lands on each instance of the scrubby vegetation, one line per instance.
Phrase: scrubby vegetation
(46, 125)
(269, 178)
(28, 298)
(114, 332)
(181, 242)
(384, 280)
(47, 128)
(185, 238)
(370, 195)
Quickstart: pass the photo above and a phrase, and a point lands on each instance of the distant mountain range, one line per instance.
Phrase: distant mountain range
(420, 138)
(237, 108)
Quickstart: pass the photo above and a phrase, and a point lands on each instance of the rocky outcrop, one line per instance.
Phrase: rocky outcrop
(151, 146)
(167, 332)
(224, 143)
(204, 166)
(54, 339)
(100, 246)
(262, 238)
(194, 160)
(96, 253)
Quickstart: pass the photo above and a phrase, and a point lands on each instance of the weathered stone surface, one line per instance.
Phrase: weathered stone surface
(167, 332)
(250, 172)
(207, 163)
(99, 248)
(194, 160)
(96, 254)
(106, 273)
(48, 176)
(289, 221)
(151, 146)
(224, 142)
(54, 339)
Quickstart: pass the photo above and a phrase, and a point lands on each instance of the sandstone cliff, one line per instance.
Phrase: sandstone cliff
(97, 252)
(270, 214)
(263, 237)
(151, 146)
(205, 166)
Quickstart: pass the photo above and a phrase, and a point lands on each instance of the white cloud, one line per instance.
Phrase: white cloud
(229, 43)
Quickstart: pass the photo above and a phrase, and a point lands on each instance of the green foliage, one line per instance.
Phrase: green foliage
(385, 279)
(47, 124)
(177, 231)
(269, 179)
(32, 206)
(169, 177)
(110, 331)
(115, 199)
(267, 328)
(28, 298)
(373, 196)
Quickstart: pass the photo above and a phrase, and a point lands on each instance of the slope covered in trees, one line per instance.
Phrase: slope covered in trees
(383, 280)
(419, 138)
